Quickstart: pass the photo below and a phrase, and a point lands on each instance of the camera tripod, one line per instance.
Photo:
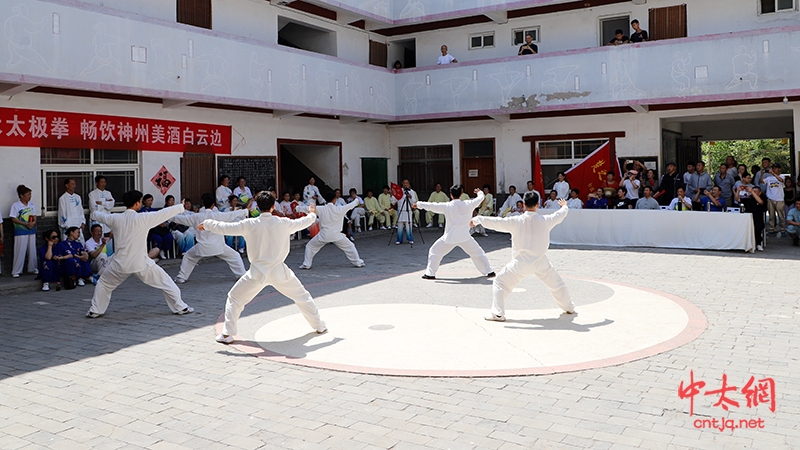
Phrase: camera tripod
(407, 209)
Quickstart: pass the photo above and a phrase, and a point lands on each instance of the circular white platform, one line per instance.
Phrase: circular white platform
(622, 324)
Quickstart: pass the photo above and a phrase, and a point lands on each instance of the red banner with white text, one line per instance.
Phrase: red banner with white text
(35, 128)
(590, 173)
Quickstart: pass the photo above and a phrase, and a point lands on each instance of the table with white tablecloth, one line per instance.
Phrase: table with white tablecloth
(655, 228)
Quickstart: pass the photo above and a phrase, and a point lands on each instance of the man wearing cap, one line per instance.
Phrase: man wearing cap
(669, 184)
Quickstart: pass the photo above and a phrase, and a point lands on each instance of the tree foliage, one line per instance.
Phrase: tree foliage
(748, 152)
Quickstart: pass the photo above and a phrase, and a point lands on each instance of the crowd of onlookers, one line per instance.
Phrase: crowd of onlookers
(67, 256)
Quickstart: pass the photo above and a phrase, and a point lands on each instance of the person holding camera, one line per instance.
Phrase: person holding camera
(711, 200)
(631, 185)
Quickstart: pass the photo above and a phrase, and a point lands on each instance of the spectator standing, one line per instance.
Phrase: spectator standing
(528, 48)
(311, 193)
(446, 58)
(741, 169)
(668, 186)
(649, 180)
(631, 185)
(100, 199)
(700, 182)
(687, 178)
(725, 181)
(619, 38)
(789, 193)
(437, 196)
(647, 202)
(70, 209)
(765, 169)
(730, 162)
(775, 203)
(562, 186)
(754, 204)
(223, 192)
(639, 35)
(23, 215)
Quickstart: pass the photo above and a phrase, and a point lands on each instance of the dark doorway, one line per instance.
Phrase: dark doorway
(374, 174)
(609, 25)
(197, 176)
(300, 160)
(424, 166)
(477, 164)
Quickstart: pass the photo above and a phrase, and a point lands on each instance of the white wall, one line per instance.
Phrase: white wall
(20, 166)
(161, 9)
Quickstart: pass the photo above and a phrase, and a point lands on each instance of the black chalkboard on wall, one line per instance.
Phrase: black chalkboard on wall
(258, 170)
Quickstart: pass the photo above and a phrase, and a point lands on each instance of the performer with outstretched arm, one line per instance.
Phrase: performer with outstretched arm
(457, 214)
(267, 238)
(130, 230)
(530, 238)
(331, 217)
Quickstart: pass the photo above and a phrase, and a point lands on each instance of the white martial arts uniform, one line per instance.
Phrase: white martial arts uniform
(267, 237)
(457, 214)
(24, 238)
(330, 232)
(70, 214)
(509, 204)
(530, 236)
(223, 192)
(130, 257)
(106, 204)
(210, 244)
(308, 195)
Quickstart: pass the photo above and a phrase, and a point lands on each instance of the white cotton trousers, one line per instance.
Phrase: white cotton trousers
(22, 245)
(100, 263)
(440, 248)
(516, 270)
(192, 257)
(356, 216)
(257, 278)
(341, 241)
(153, 276)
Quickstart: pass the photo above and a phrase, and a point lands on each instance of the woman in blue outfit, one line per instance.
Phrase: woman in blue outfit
(76, 259)
(50, 260)
(160, 235)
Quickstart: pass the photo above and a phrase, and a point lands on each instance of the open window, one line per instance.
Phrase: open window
(609, 26)
(772, 6)
(295, 34)
(404, 51)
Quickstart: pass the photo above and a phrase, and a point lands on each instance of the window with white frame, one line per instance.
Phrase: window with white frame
(771, 6)
(481, 40)
(120, 167)
(520, 33)
(560, 156)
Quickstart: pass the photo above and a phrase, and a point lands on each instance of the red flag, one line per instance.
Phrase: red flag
(397, 191)
(538, 178)
(590, 174)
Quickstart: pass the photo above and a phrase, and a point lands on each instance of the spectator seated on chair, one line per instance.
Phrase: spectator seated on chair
(159, 236)
(357, 213)
(235, 242)
(552, 200)
(437, 196)
(681, 202)
(622, 201)
(183, 235)
(75, 263)
(574, 201)
(647, 202)
(486, 207)
(386, 201)
(511, 202)
(597, 200)
(374, 211)
(793, 222)
(711, 200)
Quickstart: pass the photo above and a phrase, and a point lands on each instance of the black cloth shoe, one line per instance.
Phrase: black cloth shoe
(428, 277)
(491, 275)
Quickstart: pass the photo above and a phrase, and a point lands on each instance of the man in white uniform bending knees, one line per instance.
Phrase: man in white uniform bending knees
(330, 232)
(130, 230)
(268, 239)
(210, 244)
(530, 238)
(457, 214)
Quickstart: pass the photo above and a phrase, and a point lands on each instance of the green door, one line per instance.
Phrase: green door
(374, 174)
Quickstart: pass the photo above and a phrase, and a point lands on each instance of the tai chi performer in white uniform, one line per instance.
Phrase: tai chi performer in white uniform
(530, 235)
(330, 232)
(210, 244)
(130, 255)
(268, 238)
(457, 215)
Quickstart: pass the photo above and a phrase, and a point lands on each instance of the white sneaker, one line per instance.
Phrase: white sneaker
(322, 331)
(162, 255)
(241, 251)
(81, 282)
(352, 239)
(180, 280)
(222, 339)
(14, 275)
(304, 267)
(494, 318)
(441, 226)
(383, 227)
(760, 248)
(484, 235)
(361, 265)
(397, 243)
(187, 310)
(370, 229)
(428, 225)
(778, 235)
(394, 226)
(45, 286)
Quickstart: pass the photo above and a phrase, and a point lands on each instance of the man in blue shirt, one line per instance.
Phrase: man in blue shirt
(710, 201)
(793, 223)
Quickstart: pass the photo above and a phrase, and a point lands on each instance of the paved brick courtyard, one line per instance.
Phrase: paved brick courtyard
(141, 377)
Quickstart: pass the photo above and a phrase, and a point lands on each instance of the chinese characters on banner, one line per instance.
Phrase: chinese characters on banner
(163, 180)
(591, 173)
(755, 392)
(33, 128)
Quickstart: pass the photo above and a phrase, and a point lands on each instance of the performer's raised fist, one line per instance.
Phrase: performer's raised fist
(312, 208)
